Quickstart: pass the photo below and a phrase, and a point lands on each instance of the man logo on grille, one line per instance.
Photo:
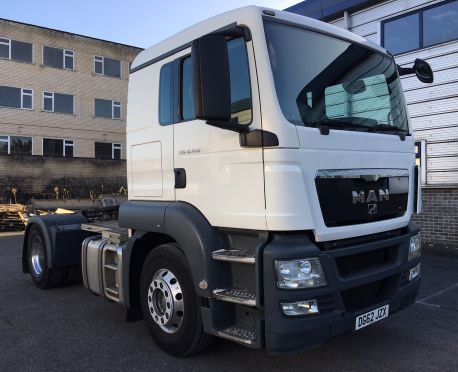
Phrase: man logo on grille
(372, 209)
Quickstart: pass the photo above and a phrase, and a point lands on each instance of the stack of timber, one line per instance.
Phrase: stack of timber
(12, 217)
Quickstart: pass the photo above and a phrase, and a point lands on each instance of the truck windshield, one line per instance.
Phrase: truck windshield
(321, 80)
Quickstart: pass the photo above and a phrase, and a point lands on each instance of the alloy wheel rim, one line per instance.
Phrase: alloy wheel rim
(37, 255)
(165, 301)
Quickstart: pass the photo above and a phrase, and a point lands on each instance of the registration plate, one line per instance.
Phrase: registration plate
(371, 317)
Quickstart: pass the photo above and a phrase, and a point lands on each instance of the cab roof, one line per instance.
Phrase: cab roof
(182, 39)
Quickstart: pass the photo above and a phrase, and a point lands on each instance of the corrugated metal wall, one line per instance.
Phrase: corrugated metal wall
(432, 107)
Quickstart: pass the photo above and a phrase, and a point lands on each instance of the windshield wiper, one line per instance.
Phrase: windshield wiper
(326, 124)
(390, 128)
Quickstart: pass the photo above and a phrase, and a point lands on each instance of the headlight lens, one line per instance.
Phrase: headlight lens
(306, 273)
(415, 247)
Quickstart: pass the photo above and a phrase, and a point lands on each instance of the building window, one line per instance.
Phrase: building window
(104, 150)
(16, 50)
(166, 94)
(58, 147)
(4, 145)
(440, 24)
(57, 102)
(116, 151)
(423, 28)
(15, 145)
(16, 97)
(58, 58)
(107, 66)
(105, 108)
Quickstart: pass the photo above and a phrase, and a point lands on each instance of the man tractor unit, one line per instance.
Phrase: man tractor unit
(272, 179)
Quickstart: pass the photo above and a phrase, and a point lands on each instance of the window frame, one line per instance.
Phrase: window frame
(64, 145)
(116, 146)
(10, 46)
(67, 54)
(98, 58)
(53, 103)
(64, 51)
(9, 143)
(113, 105)
(420, 27)
(22, 98)
(22, 93)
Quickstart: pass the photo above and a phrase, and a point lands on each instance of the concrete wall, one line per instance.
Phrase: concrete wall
(37, 176)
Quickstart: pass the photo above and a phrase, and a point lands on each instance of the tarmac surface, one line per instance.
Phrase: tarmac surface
(69, 329)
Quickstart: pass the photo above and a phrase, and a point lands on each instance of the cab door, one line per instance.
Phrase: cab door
(223, 180)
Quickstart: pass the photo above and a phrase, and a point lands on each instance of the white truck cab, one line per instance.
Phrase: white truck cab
(272, 179)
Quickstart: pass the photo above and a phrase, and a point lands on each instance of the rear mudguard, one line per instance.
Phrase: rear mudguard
(63, 237)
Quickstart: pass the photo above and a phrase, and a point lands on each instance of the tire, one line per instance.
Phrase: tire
(74, 275)
(37, 256)
(169, 303)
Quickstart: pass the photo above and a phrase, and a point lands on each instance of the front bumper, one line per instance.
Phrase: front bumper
(361, 277)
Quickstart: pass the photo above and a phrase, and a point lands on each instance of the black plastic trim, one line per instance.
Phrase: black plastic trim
(288, 334)
(258, 138)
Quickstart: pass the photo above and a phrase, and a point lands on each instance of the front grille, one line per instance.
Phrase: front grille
(341, 243)
(367, 295)
(353, 200)
(361, 262)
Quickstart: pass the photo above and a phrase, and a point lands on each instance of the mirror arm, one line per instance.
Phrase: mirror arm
(229, 125)
(405, 70)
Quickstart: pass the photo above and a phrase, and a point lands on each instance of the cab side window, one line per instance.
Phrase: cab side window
(187, 86)
(241, 106)
(166, 94)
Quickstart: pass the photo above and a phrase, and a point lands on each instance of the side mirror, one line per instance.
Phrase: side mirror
(420, 68)
(423, 71)
(212, 82)
(212, 85)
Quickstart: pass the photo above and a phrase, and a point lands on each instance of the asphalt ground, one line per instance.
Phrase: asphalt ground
(69, 329)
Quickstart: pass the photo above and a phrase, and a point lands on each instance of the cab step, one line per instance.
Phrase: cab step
(237, 296)
(233, 255)
(236, 334)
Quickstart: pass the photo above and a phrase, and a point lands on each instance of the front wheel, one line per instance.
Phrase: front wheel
(170, 304)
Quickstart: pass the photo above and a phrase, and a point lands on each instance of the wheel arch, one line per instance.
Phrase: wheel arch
(50, 225)
(157, 223)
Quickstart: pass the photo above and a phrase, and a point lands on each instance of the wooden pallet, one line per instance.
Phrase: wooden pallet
(12, 217)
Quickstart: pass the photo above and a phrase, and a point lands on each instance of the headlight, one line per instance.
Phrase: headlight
(306, 273)
(415, 247)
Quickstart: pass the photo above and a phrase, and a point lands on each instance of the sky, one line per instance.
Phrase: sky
(139, 23)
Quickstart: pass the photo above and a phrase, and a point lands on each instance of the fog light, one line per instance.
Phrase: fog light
(415, 247)
(414, 272)
(308, 307)
(306, 273)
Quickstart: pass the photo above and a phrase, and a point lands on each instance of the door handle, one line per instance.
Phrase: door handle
(180, 178)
